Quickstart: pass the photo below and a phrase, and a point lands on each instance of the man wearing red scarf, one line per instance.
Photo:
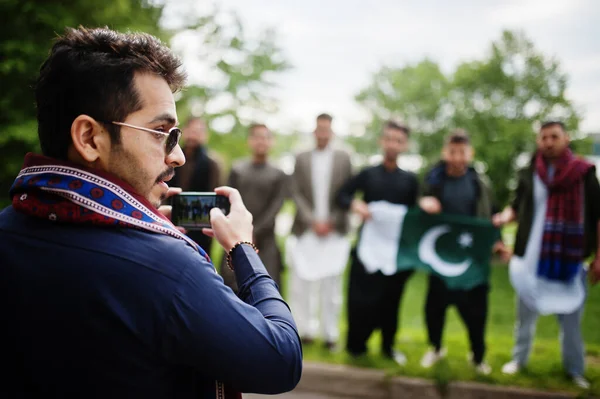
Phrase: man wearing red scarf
(556, 207)
(102, 297)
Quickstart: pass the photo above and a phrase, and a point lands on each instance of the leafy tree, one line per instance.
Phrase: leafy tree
(498, 100)
(241, 68)
(26, 37)
(415, 94)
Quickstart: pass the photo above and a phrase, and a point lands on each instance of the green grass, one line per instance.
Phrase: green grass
(543, 372)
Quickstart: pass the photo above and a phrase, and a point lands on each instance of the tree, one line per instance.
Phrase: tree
(240, 69)
(26, 37)
(498, 100)
(243, 67)
(415, 94)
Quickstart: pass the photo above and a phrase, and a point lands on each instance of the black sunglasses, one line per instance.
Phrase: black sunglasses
(173, 135)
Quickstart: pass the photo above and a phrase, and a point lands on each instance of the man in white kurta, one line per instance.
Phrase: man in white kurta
(317, 251)
(556, 207)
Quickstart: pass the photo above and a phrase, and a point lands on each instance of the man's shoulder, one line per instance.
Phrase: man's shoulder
(215, 157)
(591, 175)
(364, 169)
(435, 174)
(302, 159)
(240, 165)
(163, 254)
(525, 174)
(369, 169)
(7, 216)
(168, 260)
(343, 155)
(591, 168)
(5, 211)
(341, 152)
(303, 154)
(167, 255)
(153, 267)
(410, 175)
(399, 170)
(483, 179)
(275, 168)
(527, 168)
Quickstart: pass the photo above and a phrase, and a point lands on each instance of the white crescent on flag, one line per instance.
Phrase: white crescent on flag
(428, 255)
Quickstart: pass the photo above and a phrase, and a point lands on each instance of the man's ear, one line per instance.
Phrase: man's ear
(90, 139)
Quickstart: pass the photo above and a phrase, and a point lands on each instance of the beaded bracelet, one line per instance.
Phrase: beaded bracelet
(237, 244)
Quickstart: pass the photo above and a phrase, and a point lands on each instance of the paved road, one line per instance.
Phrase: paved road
(293, 395)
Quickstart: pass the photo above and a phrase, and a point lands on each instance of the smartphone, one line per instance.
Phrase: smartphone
(191, 210)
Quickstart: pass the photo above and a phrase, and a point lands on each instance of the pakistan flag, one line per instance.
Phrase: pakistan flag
(456, 248)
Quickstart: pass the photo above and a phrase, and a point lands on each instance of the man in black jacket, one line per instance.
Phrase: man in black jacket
(556, 208)
(453, 186)
(374, 299)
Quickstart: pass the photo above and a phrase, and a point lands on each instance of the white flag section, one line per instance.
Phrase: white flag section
(315, 257)
(380, 237)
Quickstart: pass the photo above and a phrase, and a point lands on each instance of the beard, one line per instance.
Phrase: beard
(551, 154)
(391, 156)
(124, 165)
(456, 170)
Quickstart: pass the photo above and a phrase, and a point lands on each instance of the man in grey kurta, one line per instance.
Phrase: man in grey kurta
(262, 186)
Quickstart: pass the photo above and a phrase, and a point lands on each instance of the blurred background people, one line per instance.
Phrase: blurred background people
(262, 186)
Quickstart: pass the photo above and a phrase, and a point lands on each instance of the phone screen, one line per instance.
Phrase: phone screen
(191, 210)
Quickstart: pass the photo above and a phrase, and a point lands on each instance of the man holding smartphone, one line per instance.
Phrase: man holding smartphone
(102, 296)
(262, 185)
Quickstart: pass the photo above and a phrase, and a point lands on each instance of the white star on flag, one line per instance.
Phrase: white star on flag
(465, 240)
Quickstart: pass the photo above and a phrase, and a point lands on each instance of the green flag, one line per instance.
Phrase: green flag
(456, 248)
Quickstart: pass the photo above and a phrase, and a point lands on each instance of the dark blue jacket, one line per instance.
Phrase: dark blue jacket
(485, 204)
(106, 312)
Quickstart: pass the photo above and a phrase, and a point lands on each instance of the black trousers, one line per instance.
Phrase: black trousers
(373, 302)
(472, 305)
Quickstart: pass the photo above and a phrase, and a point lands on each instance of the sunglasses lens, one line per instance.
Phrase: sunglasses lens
(173, 139)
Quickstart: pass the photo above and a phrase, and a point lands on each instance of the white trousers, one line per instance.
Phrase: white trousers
(316, 306)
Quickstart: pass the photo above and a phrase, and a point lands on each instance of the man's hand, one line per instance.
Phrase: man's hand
(361, 208)
(322, 228)
(430, 205)
(594, 272)
(167, 210)
(236, 226)
(502, 251)
(504, 217)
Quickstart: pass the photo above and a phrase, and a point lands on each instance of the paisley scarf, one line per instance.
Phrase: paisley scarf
(563, 239)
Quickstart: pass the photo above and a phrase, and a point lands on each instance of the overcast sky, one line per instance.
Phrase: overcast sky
(336, 45)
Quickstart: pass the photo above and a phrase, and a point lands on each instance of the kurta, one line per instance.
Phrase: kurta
(373, 299)
(262, 187)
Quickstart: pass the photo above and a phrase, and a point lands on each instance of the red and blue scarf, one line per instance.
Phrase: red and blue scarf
(563, 240)
(65, 192)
